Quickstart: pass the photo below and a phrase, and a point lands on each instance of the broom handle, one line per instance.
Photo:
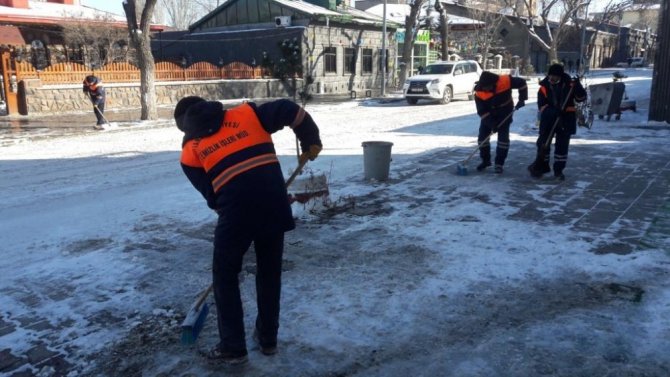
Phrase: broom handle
(203, 296)
(96, 107)
(488, 137)
(290, 180)
(558, 119)
(297, 171)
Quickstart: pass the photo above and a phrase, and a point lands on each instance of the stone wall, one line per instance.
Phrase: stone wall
(53, 99)
(340, 82)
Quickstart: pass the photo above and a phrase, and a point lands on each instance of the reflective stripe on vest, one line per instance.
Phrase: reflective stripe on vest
(503, 84)
(240, 144)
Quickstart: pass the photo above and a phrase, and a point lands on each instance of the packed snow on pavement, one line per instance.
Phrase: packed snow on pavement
(105, 245)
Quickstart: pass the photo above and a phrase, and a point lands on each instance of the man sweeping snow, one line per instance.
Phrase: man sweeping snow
(556, 104)
(228, 156)
(493, 98)
(96, 93)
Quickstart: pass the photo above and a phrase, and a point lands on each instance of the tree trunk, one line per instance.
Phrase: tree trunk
(410, 22)
(147, 80)
(141, 42)
(444, 31)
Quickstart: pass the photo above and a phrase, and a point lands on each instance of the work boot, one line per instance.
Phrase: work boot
(544, 168)
(227, 357)
(483, 165)
(535, 173)
(267, 348)
(559, 176)
(498, 169)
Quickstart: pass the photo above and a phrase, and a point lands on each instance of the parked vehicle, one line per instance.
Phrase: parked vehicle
(638, 62)
(633, 63)
(443, 80)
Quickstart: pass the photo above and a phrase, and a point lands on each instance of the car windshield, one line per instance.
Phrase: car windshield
(438, 69)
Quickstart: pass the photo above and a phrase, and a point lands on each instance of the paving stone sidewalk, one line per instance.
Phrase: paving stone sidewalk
(621, 193)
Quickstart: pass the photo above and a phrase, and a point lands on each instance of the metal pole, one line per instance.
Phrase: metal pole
(582, 53)
(384, 51)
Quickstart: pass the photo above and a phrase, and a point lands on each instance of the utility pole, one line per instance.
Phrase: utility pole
(582, 45)
(384, 50)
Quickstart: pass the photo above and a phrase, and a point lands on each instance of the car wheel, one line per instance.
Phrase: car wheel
(412, 101)
(446, 97)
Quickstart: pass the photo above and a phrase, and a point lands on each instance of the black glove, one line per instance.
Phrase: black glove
(520, 104)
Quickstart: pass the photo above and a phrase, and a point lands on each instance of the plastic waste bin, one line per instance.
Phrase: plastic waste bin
(377, 159)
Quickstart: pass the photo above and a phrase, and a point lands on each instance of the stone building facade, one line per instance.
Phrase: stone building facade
(357, 56)
(339, 47)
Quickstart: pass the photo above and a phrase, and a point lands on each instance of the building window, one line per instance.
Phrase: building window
(349, 60)
(330, 60)
(367, 60)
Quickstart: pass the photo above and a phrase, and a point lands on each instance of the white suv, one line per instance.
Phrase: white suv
(442, 81)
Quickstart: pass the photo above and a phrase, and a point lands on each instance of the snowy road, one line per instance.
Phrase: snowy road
(104, 244)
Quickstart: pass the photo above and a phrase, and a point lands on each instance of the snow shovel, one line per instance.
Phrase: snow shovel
(195, 318)
(461, 169)
(305, 189)
(533, 168)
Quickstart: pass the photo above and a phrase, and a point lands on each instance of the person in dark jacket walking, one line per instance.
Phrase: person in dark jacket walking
(493, 98)
(551, 97)
(96, 93)
(229, 157)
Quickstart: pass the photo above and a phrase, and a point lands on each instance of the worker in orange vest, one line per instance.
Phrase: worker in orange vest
(493, 98)
(96, 93)
(558, 89)
(228, 155)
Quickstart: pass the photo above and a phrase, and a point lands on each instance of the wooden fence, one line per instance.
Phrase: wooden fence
(74, 73)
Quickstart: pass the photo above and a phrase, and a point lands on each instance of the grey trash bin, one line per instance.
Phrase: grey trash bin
(377, 159)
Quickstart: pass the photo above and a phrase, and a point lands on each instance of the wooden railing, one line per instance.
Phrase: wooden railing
(74, 73)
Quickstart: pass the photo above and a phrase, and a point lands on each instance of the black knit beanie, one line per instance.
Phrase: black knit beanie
(556, 70)
(487, 79)
(182, 106)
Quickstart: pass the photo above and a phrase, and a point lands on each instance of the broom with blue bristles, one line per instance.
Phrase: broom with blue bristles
(195, 318)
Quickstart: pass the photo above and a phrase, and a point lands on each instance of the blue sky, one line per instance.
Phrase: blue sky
(113, 6)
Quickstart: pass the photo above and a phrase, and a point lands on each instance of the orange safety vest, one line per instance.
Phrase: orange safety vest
(241, 144)
(504, 83)
(568, 109)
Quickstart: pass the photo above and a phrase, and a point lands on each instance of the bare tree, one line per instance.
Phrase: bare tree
(140, 39)
(555, 19)
(486, 37)
(100, 41)
(182, 13)
(411, 30)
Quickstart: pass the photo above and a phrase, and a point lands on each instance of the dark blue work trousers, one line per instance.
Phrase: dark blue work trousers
(231, 241)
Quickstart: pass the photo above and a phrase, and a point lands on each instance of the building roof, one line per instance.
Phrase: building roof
(307, 8)
(398, 12)
(11, 35)
(39, 12)
(347, 14)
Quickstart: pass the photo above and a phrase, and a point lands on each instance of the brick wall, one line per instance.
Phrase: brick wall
(37, 99)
